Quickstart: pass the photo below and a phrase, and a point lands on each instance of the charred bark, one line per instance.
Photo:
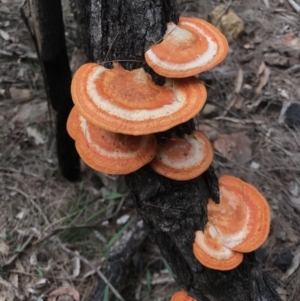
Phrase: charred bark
(122, 30)
(51, 47)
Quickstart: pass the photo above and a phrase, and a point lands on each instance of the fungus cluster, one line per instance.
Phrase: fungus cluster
(117, 111)
(239, 224)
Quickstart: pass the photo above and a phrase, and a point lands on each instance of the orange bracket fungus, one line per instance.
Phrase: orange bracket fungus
(191, 47)
(109, 152)
(239, 224)
(213, 255)
(241, 221)
(128, 102)
(183, 158)
(182, 296)
(73, 123)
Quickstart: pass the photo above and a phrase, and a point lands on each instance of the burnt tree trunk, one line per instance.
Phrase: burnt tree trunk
(122, 30)
(49, 32)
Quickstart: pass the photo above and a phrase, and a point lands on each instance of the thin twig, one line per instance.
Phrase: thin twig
(23, 247)
(30, 199)
(242, 121)
(9, 169)
(99, 273)
(112, 43)
(294, 5)
(83, 226)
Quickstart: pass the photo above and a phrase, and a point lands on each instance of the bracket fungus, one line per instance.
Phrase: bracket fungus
(213, 255)
(128, 102)
(73, 123)
(239, 224)
(183, 158)
(241, 221)
(191, 47)
(182, 296)
(109, 152)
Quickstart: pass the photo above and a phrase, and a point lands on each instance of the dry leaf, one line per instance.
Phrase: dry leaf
(4, 35)
(249, 46)
(294, 189)
(282, 293)
(8, 292)
(210, 132)
(70, 291)
(239, 81)
(267, 4)
(36, 135)
(236, 147)
(227, 21)
(76, 269)
(123, 219)
(4, 9)
(19, 94)
(295, 202)
(4, 248)
(31, 112)
(292, 41)
(209, 109)
(264, 74)
(14, 279)
(19, 266)
(261, 68)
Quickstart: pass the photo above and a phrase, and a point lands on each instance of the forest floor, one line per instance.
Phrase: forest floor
(46, 222)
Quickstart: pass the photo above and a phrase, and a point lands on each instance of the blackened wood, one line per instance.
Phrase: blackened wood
(121, 30)
(51, 47)
(172, 210)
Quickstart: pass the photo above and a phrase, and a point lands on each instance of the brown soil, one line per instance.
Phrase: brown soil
(247, 94)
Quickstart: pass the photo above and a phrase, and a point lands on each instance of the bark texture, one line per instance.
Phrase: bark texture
(122, 30)
(51, 47)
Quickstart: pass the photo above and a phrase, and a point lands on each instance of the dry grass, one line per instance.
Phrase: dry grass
(36, 200)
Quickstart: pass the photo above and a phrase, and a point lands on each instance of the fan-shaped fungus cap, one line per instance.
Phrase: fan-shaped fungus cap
(129, 102)
(182, 296)
(213, 255)
(73, 123)
(191, 47)
(183, 158)
(110, 152)
(241, 221)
